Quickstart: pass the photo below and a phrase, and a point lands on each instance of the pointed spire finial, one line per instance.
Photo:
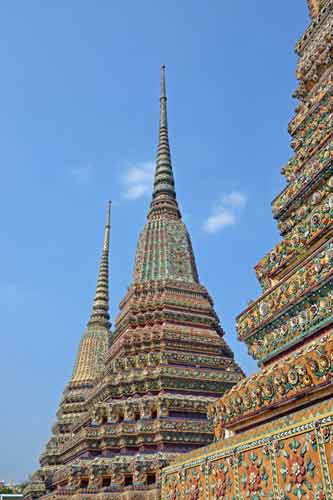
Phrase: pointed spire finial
(163, 99)
(100, 311)
(164, 193)
(163, 91)
(107, 228)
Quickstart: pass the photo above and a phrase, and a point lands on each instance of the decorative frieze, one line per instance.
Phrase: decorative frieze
(305, 370)
(298, 323)
(315, 270)
(322, 161)
(305, 225)
(318, 55)
(294, 170)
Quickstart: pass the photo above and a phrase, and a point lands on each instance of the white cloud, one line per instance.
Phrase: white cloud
(138, 180)
(226, 212)
(134, 192)
(235, 199)
(216, 222)
(82, 174)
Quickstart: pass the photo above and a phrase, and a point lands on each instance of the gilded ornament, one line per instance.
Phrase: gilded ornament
(292, 377)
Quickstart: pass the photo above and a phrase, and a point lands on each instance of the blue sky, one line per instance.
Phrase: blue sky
(79, 113)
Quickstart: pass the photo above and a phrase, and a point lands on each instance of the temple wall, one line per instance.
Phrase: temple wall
(289, 458)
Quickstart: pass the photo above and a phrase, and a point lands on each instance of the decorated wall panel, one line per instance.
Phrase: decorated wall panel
(195, 482)
(299, 469)
(325, 438)
(221, 480)
(288, 459)
(255, 477)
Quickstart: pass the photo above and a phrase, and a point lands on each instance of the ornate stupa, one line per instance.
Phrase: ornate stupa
(167, 362)
(88, 366)
(274, 430)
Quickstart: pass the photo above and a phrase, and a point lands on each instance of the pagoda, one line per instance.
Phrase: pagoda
(274, 430)
(88, 366)
(119, 424)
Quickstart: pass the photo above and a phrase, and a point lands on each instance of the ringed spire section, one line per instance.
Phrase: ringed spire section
(164, 193)
(164, 250)
(100, 310)
(96, 339)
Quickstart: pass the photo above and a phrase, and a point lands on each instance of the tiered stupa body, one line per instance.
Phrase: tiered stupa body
(282, 417)
(167, 361)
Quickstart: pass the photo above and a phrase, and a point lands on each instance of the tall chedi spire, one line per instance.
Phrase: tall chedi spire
(89, 362)
(100, 311)
(164, 250)
(164, 193)
(167, 361)
(95, 341)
